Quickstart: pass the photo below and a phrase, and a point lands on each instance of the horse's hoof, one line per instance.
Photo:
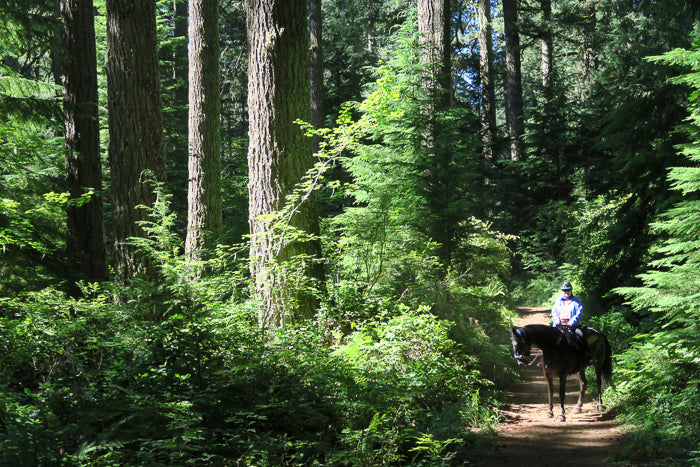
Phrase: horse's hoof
(578, 410)
(550, 415)
(561, 418)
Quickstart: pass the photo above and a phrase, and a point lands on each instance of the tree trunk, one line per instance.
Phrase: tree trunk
(434, 31)
(175, 102)
(434, 23)
(488, 94)
(316, 39)
(590, 57)
(547, 58)
(279, 154)
(547, 49)
(135, 122)
(85, 236)
(513, 84)
(55, 53)
(204, 194)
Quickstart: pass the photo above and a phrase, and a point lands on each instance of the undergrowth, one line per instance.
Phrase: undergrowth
(85, 382)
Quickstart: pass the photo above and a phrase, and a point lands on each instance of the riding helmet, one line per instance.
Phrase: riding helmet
(566, 286)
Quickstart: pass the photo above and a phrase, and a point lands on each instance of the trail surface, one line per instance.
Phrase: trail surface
(526, 437)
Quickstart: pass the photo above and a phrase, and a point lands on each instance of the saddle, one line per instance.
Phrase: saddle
(570, 336)
(582, 342)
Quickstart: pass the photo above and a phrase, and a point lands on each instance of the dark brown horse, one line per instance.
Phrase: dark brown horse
(562, 359)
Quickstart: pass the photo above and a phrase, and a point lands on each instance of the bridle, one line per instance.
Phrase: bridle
(523, 359)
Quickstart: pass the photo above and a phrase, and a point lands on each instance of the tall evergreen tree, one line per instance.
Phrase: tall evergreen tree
(671, 284)
(135, 124)
(316, 51)
(590, 54)
(513, 82)
(434, 36)
(625, 159)
(487, 76)
(85, 236)
(547, 46)
(204, 194)
(279, 156)
(668, 298)
(174, 88)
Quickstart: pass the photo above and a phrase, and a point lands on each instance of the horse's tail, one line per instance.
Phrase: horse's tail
(606, 367)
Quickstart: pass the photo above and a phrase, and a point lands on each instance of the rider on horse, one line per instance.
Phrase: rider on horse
(566, 315)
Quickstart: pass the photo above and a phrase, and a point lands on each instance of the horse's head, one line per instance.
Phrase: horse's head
(521, 345)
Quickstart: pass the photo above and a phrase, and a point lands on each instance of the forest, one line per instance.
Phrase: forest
(295, 232)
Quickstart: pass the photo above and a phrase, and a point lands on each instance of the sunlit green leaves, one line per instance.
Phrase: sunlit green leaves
(660, 370)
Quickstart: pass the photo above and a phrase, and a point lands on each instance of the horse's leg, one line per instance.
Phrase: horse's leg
(562, 394)
(583, 384)
(550, 391)
(599, 385)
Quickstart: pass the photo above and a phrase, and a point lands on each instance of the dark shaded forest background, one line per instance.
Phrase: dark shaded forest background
(436, 217)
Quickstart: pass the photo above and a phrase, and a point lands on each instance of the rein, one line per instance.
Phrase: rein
(538, 355)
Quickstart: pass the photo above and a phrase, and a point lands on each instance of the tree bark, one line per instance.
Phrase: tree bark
(547, 49)
(434, 23)
(85, 235)
(434, 32)
(279, 154)
(488, 93)
(204, 193)
(135, 123)
(316, 51)
(513, 84)
(176, 103)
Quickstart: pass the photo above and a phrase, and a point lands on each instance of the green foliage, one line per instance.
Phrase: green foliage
(173, 370)
(536, 291)
(659, 388)
(399, 365)
(31, 240)
(386, 233)
(28, 42)
(355, 38)
(32, 226)
(593, 177)
(88, 382)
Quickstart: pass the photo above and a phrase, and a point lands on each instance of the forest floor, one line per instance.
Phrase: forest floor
(526, 437)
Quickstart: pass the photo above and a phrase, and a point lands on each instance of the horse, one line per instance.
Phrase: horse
(562, 359)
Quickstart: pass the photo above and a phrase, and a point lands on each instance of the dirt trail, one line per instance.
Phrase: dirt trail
(526, 437)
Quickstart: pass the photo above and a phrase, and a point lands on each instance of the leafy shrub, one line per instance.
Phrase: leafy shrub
(91, 382)
(417, 389)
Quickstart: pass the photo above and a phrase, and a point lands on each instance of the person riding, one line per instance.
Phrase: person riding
(567, 309)
(566, 314)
